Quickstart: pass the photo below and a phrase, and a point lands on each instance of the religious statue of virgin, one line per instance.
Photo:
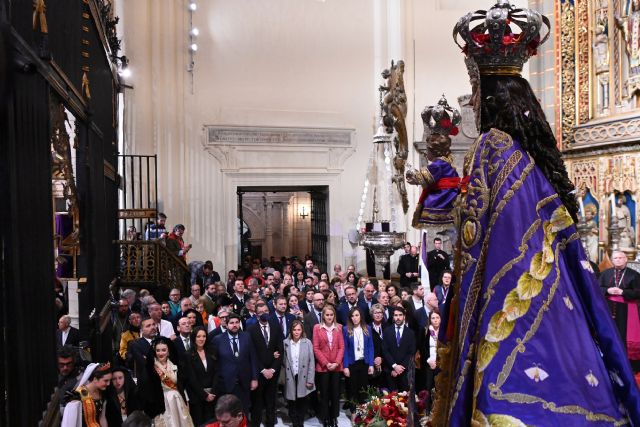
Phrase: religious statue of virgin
(528, 339)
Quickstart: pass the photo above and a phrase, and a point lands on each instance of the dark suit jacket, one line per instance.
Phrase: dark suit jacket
(73, 339)
(241, 370)
(237, 304)
(364, 306)
(137, 355)
(310, 320)
(407, 264)
(264, 353)
(394, 354)
(273, 317)
(211, 335)
(377, 341)
(343, 312)
(199, 377)
(180, 346)
(304, 306)
(421, 316)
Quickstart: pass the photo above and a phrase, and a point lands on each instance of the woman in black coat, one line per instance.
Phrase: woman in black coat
(377, 325)
(201, 369)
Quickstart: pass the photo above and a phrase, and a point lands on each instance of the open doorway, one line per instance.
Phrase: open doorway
(284, 221)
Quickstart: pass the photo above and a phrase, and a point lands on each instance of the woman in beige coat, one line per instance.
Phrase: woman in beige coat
(299, 369)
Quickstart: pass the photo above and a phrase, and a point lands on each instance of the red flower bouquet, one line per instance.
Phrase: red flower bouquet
(385, 409)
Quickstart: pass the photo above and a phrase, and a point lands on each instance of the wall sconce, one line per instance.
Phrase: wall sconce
(302, 213)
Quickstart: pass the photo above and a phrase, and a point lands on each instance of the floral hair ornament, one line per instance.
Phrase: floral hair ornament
(504, 40)
(441, 118)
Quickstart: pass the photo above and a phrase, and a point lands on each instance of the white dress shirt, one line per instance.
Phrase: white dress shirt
(358, 343)
(295, 356)
(65, 335)
(166, 328)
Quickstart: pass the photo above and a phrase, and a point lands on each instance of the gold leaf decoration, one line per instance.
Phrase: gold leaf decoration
(469, 230)
(486, 352)
(560, 219)
(528, 287)
(539, 269)
(497, 420)
(514, 307)
(499, 327)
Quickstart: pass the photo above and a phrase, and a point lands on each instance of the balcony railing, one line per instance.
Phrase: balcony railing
(148, 263)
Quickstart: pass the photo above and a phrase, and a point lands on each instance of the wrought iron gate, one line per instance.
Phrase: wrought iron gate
(319, 227)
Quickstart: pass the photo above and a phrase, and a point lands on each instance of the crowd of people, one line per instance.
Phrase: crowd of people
(271, 328)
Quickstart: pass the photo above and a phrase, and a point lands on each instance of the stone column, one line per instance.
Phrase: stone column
(286, 243)
(268, 231)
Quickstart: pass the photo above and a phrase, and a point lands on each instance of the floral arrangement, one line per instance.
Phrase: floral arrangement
(387, 409)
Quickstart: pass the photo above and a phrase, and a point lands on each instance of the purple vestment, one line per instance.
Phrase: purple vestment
(536, 344)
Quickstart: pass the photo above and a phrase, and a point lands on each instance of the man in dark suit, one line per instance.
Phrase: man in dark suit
(183, 340)
(280, 315)
(307, 304)
(421, 315)
(437, 262)
(238, 373)
(408, 268)
(239, 297)
(66, 334)
(619, 285)
(268, 343)
(366, 300)
(398, 349)
(313, 317)
(416, 301)
(351, 300)
(138, 349)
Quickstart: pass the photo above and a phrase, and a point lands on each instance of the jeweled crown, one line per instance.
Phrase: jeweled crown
(492, 43)
(441, 118)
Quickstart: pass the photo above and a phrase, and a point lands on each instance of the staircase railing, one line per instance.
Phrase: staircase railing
(148, 263)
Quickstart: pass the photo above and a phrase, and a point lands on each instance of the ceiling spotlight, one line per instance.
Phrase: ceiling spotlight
(193, 47)
(194, 32)
(193, 6)
(125, 73)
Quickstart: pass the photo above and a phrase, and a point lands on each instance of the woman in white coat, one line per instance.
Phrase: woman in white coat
(299, 368)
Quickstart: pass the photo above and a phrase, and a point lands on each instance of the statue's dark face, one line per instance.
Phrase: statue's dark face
(438, 145)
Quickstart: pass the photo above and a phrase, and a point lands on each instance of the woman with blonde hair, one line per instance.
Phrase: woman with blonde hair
(328, 349)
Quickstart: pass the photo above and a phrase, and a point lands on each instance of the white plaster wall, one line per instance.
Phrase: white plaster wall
(298, 63)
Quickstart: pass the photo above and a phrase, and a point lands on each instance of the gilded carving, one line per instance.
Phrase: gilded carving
(582, 60)
(584, 174)
(568, 89)
(394, 113)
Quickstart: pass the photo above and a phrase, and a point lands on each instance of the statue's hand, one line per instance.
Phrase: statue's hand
(412, 176)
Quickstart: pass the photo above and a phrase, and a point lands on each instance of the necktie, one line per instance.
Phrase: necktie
(187, 345)
(318, 316)
(235, 346)
(398, 336)
(266, 336)
(282, 324)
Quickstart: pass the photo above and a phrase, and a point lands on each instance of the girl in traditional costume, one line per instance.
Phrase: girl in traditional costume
(88, 405)
(162, 391)
(529, 340)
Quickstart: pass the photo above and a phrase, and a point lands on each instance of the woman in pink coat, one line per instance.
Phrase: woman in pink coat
(328, 348)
